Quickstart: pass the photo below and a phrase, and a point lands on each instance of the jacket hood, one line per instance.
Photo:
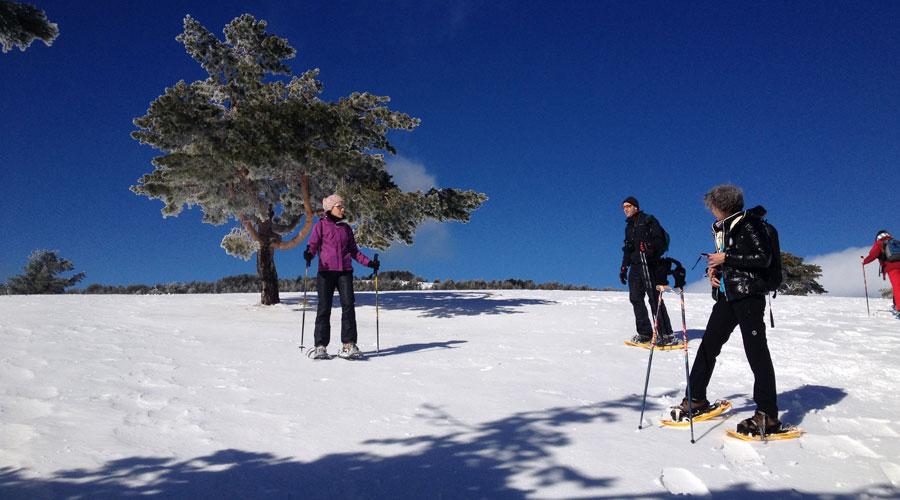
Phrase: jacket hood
(758, 211)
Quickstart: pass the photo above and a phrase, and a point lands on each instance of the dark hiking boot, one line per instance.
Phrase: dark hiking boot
(667, 340)
(697, 407)
(641, 339)
(752, 426)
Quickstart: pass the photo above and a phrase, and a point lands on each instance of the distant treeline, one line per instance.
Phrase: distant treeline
(387, 281)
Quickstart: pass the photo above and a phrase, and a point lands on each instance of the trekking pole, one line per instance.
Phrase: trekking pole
(647, 281)
(648, 284)
(377, 335)
(650, 360)
(866, 285)
(303, 324)
(687, 373)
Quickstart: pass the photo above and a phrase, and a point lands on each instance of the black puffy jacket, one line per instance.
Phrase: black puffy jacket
(639, 228)
(748, 253)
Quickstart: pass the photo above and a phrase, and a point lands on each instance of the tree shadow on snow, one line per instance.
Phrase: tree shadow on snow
(465, 461)
(434, 304)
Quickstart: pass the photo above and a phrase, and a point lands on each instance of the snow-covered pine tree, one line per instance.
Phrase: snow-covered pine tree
(42, 275)
(247, 146)
(22, 23)
(799, 278)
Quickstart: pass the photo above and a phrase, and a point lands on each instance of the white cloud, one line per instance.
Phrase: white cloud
(431, 242)
(410, 175)
(841, 274)
(432, 239)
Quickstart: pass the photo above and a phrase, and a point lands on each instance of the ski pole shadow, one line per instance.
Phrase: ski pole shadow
(409, 348)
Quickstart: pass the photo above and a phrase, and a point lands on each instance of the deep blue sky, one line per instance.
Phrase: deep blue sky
(556, 110)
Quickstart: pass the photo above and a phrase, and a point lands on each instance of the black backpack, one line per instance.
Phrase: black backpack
(890, 250)
(665, 236)
(679, 274)
(774, 274)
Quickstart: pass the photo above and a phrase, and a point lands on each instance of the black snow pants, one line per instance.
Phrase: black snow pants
(749, 314)
(637, 287)
(326, 282)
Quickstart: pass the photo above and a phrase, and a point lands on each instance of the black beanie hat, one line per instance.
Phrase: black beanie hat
(633, 201)
(885, 231)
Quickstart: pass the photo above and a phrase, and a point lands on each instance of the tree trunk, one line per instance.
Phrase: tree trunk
(265, 266)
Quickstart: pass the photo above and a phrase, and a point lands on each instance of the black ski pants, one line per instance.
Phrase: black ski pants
(749, 314)
(637, 288)
(326, 282)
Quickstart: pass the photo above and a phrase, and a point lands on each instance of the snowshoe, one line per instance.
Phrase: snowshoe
(670, 344)
(350, 351)
(700, 411)
(784, 433)
(318, 353)
(758, 424)
(641, 339)
(681, 412)
(666, 341)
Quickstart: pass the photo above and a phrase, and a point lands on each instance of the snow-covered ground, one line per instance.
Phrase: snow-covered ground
(474, 395)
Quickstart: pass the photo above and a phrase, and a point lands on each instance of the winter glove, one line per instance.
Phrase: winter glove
(307, 256)
(374, 264)
(680, 277)
(623, 275)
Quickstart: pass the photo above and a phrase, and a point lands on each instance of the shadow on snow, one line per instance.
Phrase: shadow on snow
(467, 461)
(795, 404)
(434, 304)
(408, 348)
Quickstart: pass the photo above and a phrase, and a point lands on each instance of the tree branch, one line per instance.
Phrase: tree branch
(307, 224)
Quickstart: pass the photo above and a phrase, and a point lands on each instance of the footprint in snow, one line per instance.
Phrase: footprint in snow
(678, 481)
(738, 452)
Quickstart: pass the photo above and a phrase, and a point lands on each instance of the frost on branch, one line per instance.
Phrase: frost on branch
(238, 243)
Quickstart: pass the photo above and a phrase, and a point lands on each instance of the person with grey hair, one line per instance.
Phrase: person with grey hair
(737, 273)
(332, 239)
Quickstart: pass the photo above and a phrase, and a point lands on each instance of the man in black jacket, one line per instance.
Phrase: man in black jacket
(642, 231)
(737, 273)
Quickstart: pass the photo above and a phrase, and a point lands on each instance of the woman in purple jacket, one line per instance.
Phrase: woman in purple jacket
(332, 239)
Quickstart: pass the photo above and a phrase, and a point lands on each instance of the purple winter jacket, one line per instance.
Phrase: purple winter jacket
(334, 242)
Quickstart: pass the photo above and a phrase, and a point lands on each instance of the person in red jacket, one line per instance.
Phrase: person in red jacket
(891, 269)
